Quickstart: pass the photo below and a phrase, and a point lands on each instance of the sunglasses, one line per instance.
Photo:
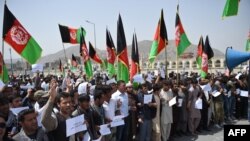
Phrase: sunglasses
(2, 125)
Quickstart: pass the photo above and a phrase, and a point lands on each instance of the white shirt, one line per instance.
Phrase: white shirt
(110, 108)
(124, 99)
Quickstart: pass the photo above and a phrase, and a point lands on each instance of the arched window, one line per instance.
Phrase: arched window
(217, 63)
(194, 64)
(173, 65)
(180, 64)
(187, 64)
(210, 64)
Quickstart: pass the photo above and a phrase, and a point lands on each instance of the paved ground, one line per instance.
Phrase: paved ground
(214, 135)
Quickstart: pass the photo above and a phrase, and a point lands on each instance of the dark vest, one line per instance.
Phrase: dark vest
(59, 134)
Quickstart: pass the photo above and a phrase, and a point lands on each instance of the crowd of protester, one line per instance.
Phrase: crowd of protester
(51, 100)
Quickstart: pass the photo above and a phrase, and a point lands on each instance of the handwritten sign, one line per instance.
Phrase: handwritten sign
(75, 125)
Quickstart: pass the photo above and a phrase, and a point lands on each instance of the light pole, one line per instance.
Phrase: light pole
(94, 30)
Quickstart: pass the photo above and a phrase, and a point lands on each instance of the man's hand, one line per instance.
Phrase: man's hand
(52, 91)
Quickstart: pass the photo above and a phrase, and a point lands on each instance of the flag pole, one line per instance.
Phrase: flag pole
(3, 46)
(166, 63)
(177, 61)
(65, 54)
(177, 66)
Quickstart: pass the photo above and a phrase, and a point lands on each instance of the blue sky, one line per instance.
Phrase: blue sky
(199, 17)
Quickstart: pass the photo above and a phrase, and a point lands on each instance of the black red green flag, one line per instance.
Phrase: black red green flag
(181, 40)
(123, 64)
(207, 54)
(160, 39)
(111, 56)
(93, 55)
(19, 38)
(135, 67)
(85, 57)
(199, 52)
(71, 35)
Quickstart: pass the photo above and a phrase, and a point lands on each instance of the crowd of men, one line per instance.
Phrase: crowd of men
(51, 100)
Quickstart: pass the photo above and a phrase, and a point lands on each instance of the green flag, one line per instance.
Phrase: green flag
(231, 8)
(4, 76)
(248, 43)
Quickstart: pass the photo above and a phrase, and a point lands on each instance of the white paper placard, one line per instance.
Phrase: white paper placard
(180, 100)
(198, 103)
(147, 98)
(37, 67)
(244, 93)
(172, 101)
(75, 125)
(138, 78)
(216, 93)
(117, 121)
(104, 129)
(15, 111)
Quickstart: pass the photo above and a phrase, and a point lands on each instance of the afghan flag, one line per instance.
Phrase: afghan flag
(4, 76)
(199, 52)
(93, 55)
(181, 40)
(20, 40)
(123, 64)
(135, 67)
(111, 53)
(248, 43)
(85, 57)
(160, 39)
(71, 35)
(74, 61)
(231, 8)
(207, 54)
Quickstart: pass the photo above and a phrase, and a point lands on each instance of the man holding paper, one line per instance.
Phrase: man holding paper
(166, 113)
(121, 96)
(147, 111)
(194, 114)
